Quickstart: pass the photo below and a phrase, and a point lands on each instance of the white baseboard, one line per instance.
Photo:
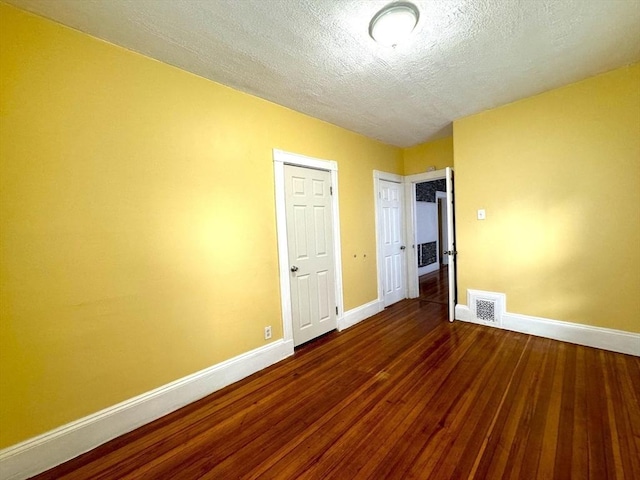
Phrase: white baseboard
(64, 443)
(428, 269)
(356, 315)
(604, 338)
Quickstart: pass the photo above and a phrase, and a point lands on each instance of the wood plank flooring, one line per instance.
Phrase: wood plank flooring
(403, 395)
(434, 286)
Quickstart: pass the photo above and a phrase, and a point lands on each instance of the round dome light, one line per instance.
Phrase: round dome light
(394, 23)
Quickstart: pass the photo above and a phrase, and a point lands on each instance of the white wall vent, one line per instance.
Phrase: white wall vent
(487, 307)
(485, 310)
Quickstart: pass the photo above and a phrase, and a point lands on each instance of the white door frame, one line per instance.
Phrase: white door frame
(280, 159)
(390, 177)
(439, 246)
(413, 284)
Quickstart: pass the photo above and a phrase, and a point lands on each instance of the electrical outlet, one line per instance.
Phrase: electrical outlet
(267, 333)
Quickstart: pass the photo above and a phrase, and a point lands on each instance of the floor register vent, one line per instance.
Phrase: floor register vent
(486, 310)
(487, 307)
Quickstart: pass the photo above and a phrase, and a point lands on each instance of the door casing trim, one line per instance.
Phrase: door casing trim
(410, 181)
(280, 159)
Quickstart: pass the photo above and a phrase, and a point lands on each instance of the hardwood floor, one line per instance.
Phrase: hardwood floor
(402, 395)
(434, 286)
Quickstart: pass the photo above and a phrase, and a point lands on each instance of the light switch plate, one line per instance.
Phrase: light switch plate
(481, 214)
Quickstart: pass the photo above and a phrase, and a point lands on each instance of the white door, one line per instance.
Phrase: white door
(451, 245)
(311, 262)
(392, 246)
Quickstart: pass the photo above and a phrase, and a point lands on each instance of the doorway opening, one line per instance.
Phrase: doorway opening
(436, 246)
(431, 239)
(310, 281)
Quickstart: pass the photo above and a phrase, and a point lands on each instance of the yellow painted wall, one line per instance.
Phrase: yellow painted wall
(559, 177)
(438, 153)
(138, 221)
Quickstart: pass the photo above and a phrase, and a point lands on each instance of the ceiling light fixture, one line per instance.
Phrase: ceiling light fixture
(394, 23)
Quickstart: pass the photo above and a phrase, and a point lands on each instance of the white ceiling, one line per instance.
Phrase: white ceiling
(316, 57)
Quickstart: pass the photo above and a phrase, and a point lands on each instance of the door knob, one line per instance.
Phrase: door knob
(294, 269)
(402, 247)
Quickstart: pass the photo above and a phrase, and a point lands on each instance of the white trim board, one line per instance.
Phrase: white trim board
(390, 177)
(64, 443)
(358, 314)
(597, 337)
(432, 267)
(280, 158)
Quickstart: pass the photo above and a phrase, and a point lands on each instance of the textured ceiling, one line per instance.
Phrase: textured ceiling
(316, 57)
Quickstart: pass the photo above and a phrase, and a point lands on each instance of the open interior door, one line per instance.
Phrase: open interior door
(451, 245)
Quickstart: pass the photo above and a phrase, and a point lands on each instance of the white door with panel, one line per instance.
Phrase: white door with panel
(391, 237)
(310, 244)
(451, 252)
